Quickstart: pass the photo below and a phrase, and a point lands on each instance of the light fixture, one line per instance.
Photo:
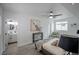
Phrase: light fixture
(50, 17)
(51, 13)
(13, 23)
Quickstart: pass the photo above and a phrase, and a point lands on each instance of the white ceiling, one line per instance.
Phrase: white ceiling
(26, 8)
(74, 9)
(40, 9)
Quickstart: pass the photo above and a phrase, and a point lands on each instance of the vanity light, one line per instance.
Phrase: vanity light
(13, 23)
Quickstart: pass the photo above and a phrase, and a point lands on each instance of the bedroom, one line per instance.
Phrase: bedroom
(21, 15)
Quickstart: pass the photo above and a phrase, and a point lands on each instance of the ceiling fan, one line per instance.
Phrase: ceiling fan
(52, 15)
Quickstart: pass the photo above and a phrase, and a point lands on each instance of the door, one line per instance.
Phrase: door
(1, 44)
(5, 35)
(10, 35)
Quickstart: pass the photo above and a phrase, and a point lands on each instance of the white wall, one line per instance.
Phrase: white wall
(1, 42)
(24, 36)
(46, 27)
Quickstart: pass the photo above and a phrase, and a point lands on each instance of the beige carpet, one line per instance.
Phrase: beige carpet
(24, 50)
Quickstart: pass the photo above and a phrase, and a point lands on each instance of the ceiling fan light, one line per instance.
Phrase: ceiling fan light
(50, 17)
(51, 13)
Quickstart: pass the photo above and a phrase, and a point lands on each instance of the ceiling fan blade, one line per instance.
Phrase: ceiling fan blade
(58, 15)
(54, 16)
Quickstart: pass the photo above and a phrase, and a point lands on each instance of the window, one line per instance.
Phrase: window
(62, 25)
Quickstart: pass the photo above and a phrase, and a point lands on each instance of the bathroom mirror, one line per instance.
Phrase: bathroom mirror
(11, 27)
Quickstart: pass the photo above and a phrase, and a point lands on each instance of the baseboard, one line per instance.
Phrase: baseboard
(12, 42)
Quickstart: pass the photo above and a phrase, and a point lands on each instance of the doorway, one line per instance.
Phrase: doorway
(10, 36)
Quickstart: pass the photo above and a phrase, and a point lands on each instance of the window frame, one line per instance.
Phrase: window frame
(62, 22)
